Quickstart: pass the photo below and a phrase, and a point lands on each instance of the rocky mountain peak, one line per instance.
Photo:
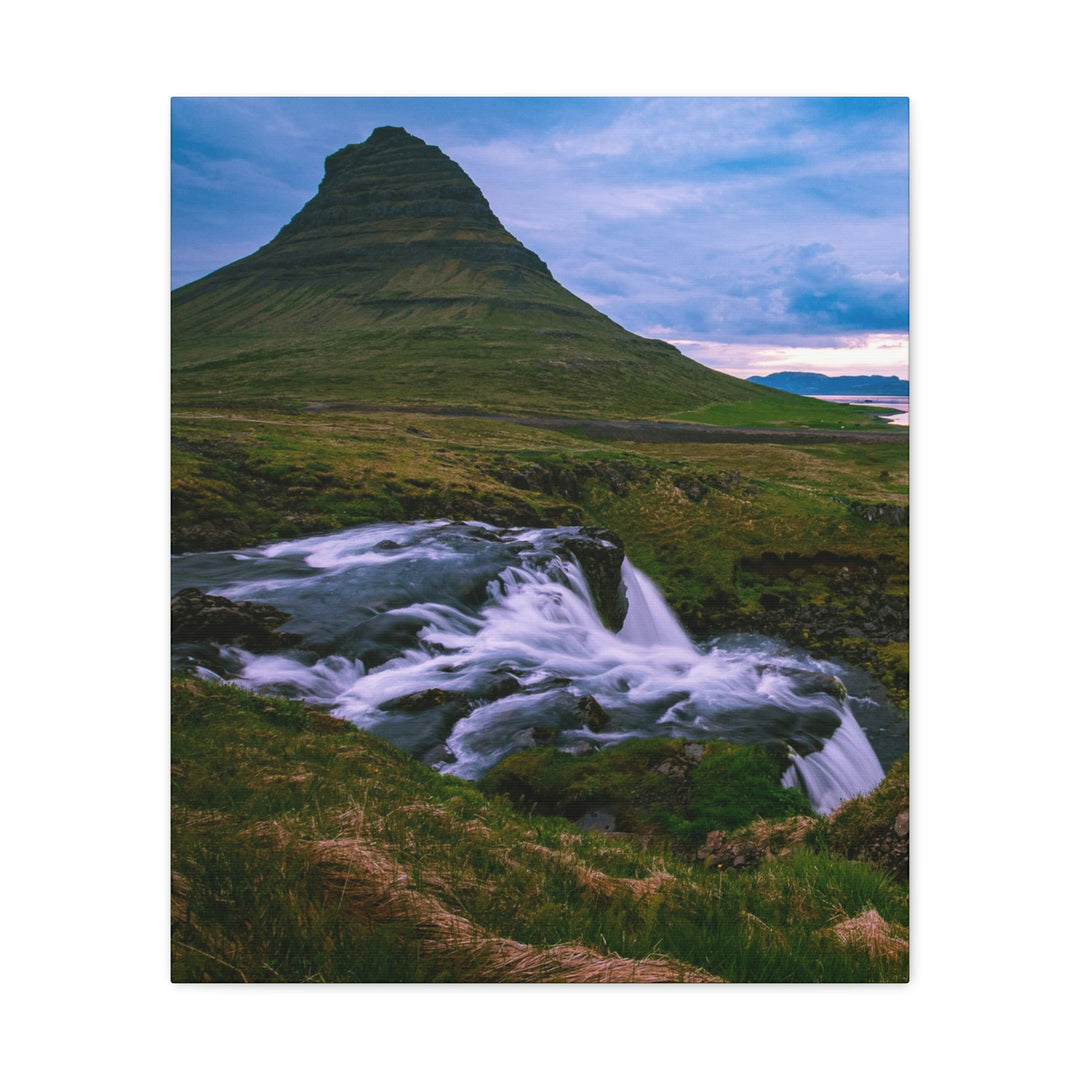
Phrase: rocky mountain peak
(393, 175)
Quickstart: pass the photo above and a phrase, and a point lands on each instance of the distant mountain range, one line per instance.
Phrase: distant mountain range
(810, 382)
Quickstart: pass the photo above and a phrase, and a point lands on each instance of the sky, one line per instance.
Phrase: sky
(755, 234)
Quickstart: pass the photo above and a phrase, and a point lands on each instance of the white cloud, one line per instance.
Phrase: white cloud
(875, 354)
(664, 127)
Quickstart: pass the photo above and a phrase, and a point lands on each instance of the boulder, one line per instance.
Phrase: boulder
(203, 617)
(433, 698)
(592, 714)
(596, 821)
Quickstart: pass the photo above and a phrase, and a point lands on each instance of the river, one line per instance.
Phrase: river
(461, 642)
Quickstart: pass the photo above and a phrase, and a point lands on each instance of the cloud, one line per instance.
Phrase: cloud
(791, 296)
(875, 354)
(816, 291)
(720, 128)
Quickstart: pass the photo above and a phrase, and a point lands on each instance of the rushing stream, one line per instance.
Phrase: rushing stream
(461, 642)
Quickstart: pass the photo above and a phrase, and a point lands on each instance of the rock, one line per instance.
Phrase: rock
(543, 735)
(712, 842)
(432, 698)
(376, 639)
(579, 748)
(203, 617)
(694, 752)
(716, 853)
(888, 513)
(902, 823)
(600, 554)
(439, 755)
(821, 683)
(592, 714)
(504, 685)
(596, 821)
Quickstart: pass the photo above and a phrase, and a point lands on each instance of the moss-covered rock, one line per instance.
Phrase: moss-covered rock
(876, 827)
(669, 787)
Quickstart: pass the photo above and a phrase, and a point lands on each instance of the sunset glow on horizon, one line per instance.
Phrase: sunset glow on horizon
(876, 354)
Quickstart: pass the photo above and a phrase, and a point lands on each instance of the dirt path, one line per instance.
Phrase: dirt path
(666, 431)
(643, 431)
(639, 431)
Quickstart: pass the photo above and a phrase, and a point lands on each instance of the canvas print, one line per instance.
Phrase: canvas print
(540, 540)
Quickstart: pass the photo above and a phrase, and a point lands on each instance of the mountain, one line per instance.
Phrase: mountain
(809, 382)
(397, 284)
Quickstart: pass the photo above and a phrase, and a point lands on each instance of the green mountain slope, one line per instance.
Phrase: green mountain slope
(396, 284)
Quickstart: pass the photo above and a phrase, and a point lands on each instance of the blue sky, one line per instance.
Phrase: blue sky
(756, 234)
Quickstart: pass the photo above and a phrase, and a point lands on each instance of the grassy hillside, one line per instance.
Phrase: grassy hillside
(396, 284)
(306, 851)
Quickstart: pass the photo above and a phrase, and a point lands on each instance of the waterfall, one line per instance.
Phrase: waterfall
(649, 620)
(461, 642)
(844, 767)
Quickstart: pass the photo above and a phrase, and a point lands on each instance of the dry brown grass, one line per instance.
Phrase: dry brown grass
(776, 834)
(601, 884)
(869, 931)
(178, 899)
(372, 887)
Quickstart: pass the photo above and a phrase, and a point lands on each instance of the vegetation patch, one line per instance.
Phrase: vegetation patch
(876, 827)
(305, 850)
(658, 787)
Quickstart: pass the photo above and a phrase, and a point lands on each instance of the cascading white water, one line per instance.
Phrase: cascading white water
(462, 643)
(649, 620)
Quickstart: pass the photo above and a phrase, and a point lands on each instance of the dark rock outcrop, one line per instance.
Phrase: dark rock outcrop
(888, 848)
(889, 513)
(600, 554)
(593, 715)
(202, 617)
(717, 853)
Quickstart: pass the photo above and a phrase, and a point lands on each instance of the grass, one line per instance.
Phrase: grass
(652, 786)
(307, 851)
(791, 411)
(277, 474)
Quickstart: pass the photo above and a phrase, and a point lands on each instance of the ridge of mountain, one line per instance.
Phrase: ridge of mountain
(812, 382)
(396, 283)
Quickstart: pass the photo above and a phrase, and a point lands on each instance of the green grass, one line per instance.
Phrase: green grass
(651, 786)
(789, 411)
(269, 797)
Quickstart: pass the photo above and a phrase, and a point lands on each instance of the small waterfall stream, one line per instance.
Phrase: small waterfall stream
(461, 643)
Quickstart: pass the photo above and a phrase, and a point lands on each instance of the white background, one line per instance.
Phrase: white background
(85, 205)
